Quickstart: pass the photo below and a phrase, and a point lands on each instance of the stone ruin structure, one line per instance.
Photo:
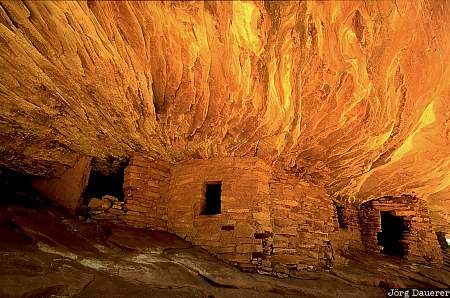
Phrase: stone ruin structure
(409, 216)
(261, 218)
(277, 135)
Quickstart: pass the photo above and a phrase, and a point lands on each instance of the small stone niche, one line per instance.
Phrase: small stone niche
(213, 201)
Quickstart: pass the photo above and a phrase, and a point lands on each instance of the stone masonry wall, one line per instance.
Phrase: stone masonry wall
(235, 234)
(146, 186)
(422, 244)
(270, 222)
(302, 218)
(346, 240)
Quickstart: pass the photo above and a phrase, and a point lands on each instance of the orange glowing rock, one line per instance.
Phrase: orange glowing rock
(353, 95)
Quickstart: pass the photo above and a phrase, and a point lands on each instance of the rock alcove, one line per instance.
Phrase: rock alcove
(320, 120)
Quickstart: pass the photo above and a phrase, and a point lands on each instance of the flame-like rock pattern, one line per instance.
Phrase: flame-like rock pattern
(350, 95)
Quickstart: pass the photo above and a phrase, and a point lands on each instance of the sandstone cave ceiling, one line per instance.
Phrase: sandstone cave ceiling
(351, 95)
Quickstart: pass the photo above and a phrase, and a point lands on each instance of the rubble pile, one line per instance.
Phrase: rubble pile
(107, 208)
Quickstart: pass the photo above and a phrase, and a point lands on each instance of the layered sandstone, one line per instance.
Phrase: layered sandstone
(350, 95)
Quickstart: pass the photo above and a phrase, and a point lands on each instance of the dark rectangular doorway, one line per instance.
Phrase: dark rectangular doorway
(393, 230)
(213, 202)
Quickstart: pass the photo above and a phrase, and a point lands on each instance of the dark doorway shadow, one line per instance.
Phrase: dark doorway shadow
(213, 191)
(100, 185)
(391, 237)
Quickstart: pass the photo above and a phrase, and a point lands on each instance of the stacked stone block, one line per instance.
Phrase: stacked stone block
(302, 218)
(146, 188)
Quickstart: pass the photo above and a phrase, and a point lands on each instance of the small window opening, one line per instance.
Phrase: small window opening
(342, 220)
(391, 237)
(213, 192)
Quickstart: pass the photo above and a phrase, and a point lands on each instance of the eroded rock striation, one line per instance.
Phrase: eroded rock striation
(350, 95)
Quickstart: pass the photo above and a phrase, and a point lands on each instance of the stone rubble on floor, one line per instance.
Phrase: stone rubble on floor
(109, 208)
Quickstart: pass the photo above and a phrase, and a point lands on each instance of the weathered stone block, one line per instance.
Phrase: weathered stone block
(244, 229)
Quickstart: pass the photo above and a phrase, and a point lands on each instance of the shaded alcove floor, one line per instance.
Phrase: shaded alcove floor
(46, 252)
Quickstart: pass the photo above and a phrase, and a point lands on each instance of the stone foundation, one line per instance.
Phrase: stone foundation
(421, 241)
